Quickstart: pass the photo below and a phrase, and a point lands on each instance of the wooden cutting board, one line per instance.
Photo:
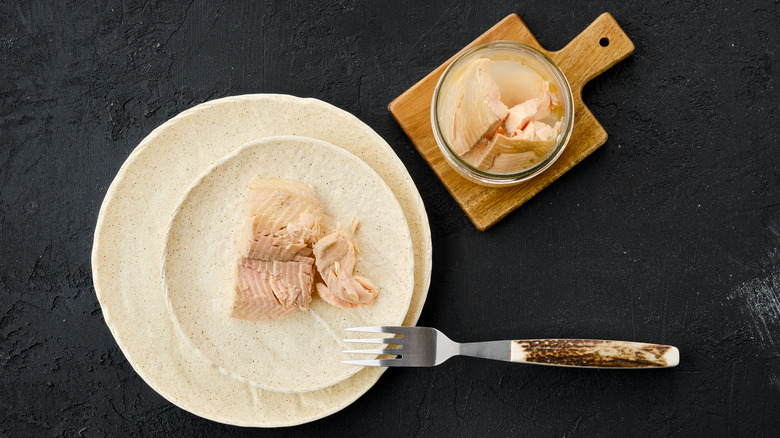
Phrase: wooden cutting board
(599, 47)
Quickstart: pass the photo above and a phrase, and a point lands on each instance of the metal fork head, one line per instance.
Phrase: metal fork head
(417, 346)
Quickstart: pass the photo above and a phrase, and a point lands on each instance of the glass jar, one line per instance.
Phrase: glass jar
(542, 65)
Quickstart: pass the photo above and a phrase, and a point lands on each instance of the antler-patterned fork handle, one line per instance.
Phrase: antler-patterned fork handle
(594, 353)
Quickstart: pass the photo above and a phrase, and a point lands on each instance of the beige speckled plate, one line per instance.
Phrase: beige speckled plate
(301, 352)
(129, 237)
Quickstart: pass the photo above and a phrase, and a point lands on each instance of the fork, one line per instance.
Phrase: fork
(427, 347)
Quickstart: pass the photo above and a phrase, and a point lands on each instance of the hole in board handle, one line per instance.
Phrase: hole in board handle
(604, 42)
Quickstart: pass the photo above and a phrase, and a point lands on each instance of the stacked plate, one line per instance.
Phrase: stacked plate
(161, 283)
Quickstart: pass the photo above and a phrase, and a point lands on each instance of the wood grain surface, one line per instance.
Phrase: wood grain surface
(600, 46)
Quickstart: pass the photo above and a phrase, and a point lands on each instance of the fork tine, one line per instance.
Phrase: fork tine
(399, 329)
(376, 362)
(388, 341)
(374, 329)
(390, 329)
(376, 351)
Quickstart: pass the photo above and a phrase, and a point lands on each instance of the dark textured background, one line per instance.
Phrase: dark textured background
(669, 233)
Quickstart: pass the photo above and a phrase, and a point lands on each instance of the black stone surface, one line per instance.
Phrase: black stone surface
(670, 233)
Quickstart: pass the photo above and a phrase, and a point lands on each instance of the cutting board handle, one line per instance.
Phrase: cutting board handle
(600, 46)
